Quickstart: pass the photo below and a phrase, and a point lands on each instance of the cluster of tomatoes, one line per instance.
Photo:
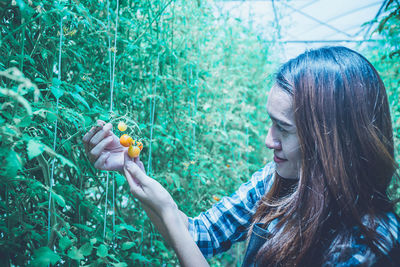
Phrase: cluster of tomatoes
(134, 146)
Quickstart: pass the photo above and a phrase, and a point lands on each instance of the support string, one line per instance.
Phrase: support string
(111, 106)
(152, 115)
(55, 132)
(112, 79)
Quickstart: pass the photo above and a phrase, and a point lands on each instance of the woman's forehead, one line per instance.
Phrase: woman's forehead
(280, 105)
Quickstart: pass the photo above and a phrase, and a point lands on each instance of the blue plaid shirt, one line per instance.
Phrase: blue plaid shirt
(228, 221)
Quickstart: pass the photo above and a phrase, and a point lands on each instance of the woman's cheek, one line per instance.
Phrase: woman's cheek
(293, 147)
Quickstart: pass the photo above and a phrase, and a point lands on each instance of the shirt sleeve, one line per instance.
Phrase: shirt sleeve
(227, 221)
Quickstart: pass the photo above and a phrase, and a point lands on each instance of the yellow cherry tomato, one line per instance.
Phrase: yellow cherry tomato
(140, 145)
(216, 198)
(125, 140)
(122, 126)
(133, 151)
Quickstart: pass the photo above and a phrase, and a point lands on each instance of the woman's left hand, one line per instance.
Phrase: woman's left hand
(147, 190)
(154, 196)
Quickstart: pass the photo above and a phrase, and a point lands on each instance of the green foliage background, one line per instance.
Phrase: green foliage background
(385, 56)
(204, 76)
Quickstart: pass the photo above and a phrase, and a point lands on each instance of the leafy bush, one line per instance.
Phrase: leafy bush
(385, 56)
(193, 81)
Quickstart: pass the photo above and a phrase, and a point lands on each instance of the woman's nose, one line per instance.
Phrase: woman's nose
(271, 141)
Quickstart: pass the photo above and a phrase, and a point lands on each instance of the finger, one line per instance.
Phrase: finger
(127, 158)
(86, 138)
(99, 148)
(134, 185)
(100, 162)
(135, 170)
(105, 131)
(101, 123)
(139, 163)
(137, 173)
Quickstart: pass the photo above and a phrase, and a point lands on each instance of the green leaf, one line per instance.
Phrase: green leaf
(57, 92)
(104, 117)
(56, 89)
(93, 241)
(65, 161)
(75, 254)
(139, 257)
(78, 89)
(13, 164)
(39, 80)
(64, 243)
(83, 227)
(86, 249)
(25, 9)
(35, 148)
(56, 82)
(176, 179)
(120, 264)
(119, 179)
(45, 256)
(102, 251)
(25, 122)
(127, 245)
(59, 199)
(25, 103)
(50, 116)
(123, 226)
(78, 97)
(44, 53)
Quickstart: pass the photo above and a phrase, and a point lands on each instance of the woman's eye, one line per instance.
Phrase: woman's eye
(280, 128)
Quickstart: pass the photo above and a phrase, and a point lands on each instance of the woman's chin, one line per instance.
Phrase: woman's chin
(284, 173)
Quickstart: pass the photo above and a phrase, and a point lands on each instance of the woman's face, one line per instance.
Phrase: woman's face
(282, 136)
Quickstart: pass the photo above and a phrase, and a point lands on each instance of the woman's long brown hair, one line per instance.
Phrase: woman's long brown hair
(345, 134)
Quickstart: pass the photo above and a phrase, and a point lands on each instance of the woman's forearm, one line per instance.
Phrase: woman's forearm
(156, 220)
(174, 228)
(164, 213)
(182, 242)
(159, 224)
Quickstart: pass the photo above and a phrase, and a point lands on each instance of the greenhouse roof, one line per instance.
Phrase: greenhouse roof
(301, 24)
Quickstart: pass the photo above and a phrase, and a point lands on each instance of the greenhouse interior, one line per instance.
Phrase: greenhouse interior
(199, 133)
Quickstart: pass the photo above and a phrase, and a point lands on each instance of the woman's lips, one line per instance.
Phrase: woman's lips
(278, 159)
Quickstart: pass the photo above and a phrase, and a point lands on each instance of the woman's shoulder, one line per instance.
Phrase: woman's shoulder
(357, 253)
(389, 233)
(389, 222)
(264, 177)
(388, 229)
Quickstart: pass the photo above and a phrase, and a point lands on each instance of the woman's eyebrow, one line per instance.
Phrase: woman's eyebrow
(279, 121)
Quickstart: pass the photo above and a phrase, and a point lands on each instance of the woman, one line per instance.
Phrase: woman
(322, 202)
